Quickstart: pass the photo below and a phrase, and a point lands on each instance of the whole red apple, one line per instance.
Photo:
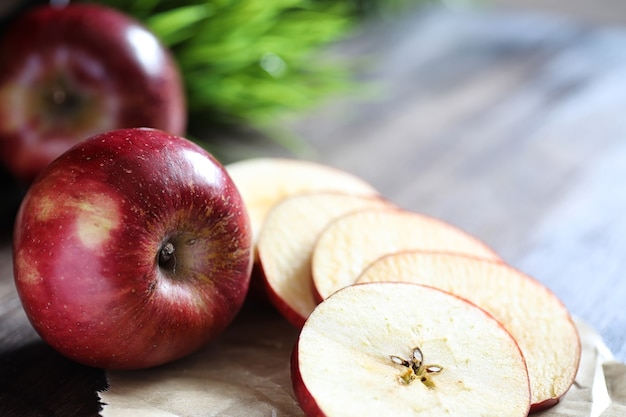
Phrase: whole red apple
(132, 249)
(71, 72)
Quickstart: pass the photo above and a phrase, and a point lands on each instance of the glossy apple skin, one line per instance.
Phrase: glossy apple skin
(71, 72)
(302, 394)
(88, 241)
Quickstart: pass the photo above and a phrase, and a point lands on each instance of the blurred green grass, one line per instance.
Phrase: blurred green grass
(252, 62)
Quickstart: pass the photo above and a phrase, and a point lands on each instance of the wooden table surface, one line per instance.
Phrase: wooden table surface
(512, 127)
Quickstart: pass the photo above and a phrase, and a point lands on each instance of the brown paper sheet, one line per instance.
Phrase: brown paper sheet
(246, 373)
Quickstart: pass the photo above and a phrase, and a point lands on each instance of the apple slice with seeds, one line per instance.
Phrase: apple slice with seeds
(533, 315)
(262, 182)
(353, 241)
(286, 243)
(401, 349)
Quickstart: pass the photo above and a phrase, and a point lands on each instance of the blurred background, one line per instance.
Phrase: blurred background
(612, 12)
(269, 61)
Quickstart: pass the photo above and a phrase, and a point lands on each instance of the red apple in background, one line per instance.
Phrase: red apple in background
(72, 72)
(132, 249)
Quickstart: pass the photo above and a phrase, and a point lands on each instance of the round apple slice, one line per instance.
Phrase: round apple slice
(262, 182)
(353, 241)
(400, 349)
(533, 315)
(286, 243)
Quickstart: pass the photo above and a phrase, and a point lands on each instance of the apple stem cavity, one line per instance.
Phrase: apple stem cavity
(62, 102)
(415, 369)
(167, 257)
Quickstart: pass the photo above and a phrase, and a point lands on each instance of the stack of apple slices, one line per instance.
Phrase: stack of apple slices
(399, 349)
(291, 229)
(537, 320)
(262, 182)
(400, 308)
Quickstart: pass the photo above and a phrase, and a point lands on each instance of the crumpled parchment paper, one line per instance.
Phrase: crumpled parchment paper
(246, 373)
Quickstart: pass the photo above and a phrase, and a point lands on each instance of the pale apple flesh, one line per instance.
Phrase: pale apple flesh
(535, 317)
(398, 349)
(286, 242)
(262, 182)
(353, 241)
(72, 72)
(131, 250)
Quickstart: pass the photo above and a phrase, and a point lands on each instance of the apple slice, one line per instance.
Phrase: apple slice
(262, 182)
(286, 241)
(400, 349)
(533, 315)
(353, 241)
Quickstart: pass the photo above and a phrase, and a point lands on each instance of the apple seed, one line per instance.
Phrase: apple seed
(416, 369)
